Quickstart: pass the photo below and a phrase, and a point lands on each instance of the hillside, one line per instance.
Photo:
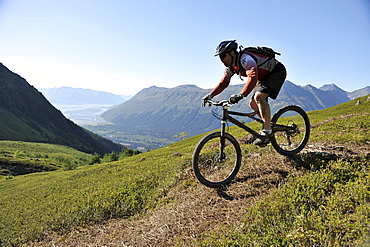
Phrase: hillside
(317, 198)
(162, 110)
(25, 115)
(20, 158)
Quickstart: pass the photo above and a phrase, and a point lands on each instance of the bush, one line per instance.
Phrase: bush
(69, 165)
(109, 157)
(95, 159)
(18, 154)
(127, 152)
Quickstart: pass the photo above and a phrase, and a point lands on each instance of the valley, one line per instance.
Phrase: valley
(84, 114)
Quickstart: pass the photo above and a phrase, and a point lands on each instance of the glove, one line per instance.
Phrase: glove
(235, 98)
(206, 99)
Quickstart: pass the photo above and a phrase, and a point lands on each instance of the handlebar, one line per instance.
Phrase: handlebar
(227, 103)
(219, 103)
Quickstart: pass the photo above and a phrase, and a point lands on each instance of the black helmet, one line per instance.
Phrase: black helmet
(226, 46)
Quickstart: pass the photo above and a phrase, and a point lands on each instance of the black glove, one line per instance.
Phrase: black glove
(235, 98)
(206, 99)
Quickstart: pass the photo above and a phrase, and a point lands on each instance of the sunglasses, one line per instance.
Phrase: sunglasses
(223, 55)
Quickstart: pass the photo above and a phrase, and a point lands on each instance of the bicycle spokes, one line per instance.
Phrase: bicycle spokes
(221, 157)
(291, 130)
(216, 164)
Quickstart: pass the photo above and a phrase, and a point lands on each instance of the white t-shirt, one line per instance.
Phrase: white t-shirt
(247, 62)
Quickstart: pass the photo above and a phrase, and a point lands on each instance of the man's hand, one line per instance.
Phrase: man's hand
(206, 99)
(235, 98)
(252, 72)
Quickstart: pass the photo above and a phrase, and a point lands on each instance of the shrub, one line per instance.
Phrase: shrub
(18, 154)
(95, 159)
(69, 165)
(127, 152)
(109, 157)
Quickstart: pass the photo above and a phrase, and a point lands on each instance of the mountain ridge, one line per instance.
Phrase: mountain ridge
(169, 111)
(26, 115)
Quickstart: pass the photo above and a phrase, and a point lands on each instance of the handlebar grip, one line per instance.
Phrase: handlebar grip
(219, 103)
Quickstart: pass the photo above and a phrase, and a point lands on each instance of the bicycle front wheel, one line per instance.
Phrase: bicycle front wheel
(213, 166)
(291, 128)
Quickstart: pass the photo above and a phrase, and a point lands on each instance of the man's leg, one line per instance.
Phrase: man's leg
(269, 87)
(254, 105)
(260, 99)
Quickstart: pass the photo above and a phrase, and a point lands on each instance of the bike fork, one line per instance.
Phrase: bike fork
(222, 155)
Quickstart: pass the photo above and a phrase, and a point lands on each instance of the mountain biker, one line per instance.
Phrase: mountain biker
(267, 80)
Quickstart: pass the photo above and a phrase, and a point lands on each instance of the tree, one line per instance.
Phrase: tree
(181, 136)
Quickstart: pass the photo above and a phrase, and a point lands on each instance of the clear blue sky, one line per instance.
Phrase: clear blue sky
(124, 46)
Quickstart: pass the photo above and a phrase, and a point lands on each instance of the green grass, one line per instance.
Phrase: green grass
(326, 207)
(36, 203)
(35, 157)
(345, 123)
(327, 202)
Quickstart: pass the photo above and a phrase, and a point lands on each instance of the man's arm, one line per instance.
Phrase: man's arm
(251, 82)
(225, 81)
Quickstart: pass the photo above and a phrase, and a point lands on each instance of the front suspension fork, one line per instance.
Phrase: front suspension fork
(222, 155)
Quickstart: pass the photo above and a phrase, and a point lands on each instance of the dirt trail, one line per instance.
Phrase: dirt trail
(195, 210)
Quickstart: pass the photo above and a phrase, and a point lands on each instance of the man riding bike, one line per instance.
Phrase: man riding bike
(263, 73)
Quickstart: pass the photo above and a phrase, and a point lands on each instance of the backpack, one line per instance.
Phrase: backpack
(265, 51)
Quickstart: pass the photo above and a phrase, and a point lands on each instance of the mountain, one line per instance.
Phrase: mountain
(78, 96)
(167, 111)
(25, 115)
(164, 112)
(359, 93)
(309, 97)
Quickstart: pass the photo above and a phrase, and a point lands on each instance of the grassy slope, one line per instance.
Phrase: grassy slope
(40, 202)
(37, 203)
(26, 115)
(17, 157)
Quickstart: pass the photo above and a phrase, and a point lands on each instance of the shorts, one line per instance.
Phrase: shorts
(273, 81)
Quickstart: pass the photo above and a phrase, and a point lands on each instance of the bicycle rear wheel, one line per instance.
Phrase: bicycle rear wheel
(291, 128)
(213, 167)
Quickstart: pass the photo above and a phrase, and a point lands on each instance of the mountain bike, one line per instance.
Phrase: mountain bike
(217, 157)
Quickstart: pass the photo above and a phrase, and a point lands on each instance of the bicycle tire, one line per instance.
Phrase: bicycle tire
(208, 168)
(290, 142)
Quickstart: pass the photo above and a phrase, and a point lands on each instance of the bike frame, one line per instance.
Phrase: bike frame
(226, 117)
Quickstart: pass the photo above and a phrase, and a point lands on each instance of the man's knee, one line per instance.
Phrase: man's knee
(260, 97)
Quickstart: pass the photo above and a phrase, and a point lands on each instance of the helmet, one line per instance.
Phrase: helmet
(226, 46)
